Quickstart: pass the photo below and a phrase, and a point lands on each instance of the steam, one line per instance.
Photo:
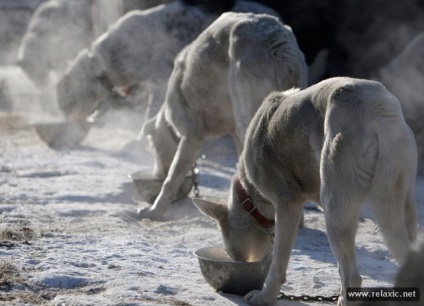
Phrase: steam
(404, 77)
(42, 38)
(369, 42)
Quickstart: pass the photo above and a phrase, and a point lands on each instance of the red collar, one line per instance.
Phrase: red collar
(247, 204)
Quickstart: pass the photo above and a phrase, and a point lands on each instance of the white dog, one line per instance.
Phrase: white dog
(140, 47)
(217, 84)
(338, 143)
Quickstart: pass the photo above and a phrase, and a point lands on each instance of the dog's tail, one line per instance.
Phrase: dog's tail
(264, 57)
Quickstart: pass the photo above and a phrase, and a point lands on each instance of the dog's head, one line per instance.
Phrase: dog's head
(78, 90)
(244, 239)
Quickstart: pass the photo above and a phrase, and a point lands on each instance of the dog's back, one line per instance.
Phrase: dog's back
(245, 56)
(342, 140)
(320, 121)
(338, 143)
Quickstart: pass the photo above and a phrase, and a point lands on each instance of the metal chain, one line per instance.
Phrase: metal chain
(316, 298)
(194, 173)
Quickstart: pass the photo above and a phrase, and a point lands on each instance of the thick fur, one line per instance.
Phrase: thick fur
(338, 143)
(140, 46)
(59, 29)
(217, 84)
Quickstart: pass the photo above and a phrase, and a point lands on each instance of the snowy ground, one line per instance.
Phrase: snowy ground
(69, 236)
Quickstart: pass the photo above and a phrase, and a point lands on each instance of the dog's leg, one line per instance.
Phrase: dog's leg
(163, 143)
(188, 150)
(155, 101)
(411, 215)
(287, 222)
(341, 218)
(394, 211)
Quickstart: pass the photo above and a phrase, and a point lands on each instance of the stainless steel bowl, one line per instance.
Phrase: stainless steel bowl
(226, 275)
(60, 135)
(149, 187)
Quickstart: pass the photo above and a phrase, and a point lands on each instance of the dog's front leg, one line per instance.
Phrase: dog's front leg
(287, 218)
(188, 150)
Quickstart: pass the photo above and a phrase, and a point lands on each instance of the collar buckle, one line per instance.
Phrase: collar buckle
(249, 207)
(252, 207)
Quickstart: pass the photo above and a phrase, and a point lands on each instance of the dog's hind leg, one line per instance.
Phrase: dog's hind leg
(188, 150)
(411, 215)
(394, 210)
(341, 218)
(344, 188)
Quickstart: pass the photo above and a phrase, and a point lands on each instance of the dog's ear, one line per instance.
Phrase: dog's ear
(211, 209)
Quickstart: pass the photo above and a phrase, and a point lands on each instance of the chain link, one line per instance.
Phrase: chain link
(305, 298)
(194, 173)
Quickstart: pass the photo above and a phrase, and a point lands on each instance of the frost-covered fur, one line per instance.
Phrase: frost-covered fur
(217, 84)
(59, 29)
(338, 143)
(140, 46)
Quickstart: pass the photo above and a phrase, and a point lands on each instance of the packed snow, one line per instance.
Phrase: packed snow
(69, 234)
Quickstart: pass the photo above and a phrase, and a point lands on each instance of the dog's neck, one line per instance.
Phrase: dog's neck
(263, 211)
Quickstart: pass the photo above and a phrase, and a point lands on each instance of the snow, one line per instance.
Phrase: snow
(77, 240)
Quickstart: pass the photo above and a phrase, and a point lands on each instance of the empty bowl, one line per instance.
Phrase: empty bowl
(60, 135)
(149, 187)
(229, 276)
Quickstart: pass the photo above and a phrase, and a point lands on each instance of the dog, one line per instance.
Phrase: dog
(337, 143)
(411, 276)
(218, 83)
(141, 46)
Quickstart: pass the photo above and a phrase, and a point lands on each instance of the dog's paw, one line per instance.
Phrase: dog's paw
(149, 213)
(258, 297)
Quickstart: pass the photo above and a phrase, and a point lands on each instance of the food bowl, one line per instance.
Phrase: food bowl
(60, 135)
(149, 187)
(226, 275)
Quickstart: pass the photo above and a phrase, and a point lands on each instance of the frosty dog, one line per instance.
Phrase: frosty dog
(140, 47)
(217, 84)
(337, 143)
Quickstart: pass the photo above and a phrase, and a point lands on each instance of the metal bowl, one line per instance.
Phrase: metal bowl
(226, 275)
(149, 187)
(60, 135)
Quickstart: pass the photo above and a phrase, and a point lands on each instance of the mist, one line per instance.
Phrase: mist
(88, 245)
(39, 39)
